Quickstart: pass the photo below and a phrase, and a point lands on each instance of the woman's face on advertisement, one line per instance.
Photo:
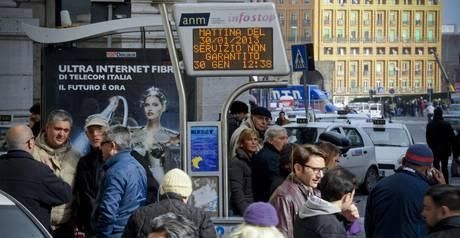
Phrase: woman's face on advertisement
(153, 107)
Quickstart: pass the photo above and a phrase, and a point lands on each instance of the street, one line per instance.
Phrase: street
(417, 127)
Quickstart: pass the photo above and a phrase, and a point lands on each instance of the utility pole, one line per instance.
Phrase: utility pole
(444, 74)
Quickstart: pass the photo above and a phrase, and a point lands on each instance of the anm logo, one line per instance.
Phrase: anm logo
(194, 19)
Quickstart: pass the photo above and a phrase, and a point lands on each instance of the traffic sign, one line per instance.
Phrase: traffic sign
(380, 89)
(299, 57)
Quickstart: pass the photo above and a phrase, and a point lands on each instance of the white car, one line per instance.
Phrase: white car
(18, 222)
(360, 158)
(391, 141)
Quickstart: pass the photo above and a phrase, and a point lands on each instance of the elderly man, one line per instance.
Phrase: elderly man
(259, 120)
(30, 182)
(89, 176)
(397, 200)
(53, 148)
(266, 168)
(124, 186)
(441, 210)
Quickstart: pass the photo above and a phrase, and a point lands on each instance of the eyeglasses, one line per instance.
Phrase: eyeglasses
(316, 170)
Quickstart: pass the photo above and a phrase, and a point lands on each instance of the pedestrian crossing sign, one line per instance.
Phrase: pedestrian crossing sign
(299, 57)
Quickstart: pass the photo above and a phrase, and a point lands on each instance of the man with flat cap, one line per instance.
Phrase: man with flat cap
(259, 120)
(29, 181)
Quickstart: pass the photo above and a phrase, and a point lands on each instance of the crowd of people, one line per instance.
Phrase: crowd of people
(280, 189)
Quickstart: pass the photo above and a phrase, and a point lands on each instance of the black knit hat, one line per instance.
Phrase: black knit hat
(35, 109)
(261, 111)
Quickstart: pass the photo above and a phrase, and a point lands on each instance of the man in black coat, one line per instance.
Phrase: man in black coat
(175, 190)
(29, 181)
(266, 170)
(440, 138)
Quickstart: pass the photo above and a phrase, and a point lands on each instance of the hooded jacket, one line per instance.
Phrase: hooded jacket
(63, 161)
(319, 218)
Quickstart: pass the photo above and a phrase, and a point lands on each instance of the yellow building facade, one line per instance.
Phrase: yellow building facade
(372, 44)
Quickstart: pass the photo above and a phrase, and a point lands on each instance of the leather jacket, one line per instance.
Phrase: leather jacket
(287, 199)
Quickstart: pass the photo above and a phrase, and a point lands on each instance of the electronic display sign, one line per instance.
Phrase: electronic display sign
(233, 48)
(230, 39)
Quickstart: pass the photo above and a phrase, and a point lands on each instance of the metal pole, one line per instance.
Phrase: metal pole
(224, 133)
(109, 17)
(180, 86)
(306, 94)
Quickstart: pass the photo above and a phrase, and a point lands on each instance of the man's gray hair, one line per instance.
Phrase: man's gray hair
(273, 131)
(17, 137)
(120, 136)
(59, 115)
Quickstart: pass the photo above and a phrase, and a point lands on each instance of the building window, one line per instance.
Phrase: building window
(293, 35)
(327, 34)
(379, 36)
(340, 17)
(281, 1)
(431, 18)
(293, 19)
(353, 84)
(353, 68)
(393, 18)
(392, 69)
(380, 18)
(407, 2)
(405, 18)
(306, 19)
(354, 50)
(418, 18)
(366, 35)
(306, 1)
(429, 83)
(293, 2)
(328, 50)
(327, 18)
(391, 84)
(366, 69)
(353, 35)
(378, 84)
(417, 83)
(392, 36)
(368, 51)
(405, 37)
(429, 68)
(353, 18)
(341, 51)
(340, 35)
(340, 68)
(430, 35)
(339, 85)
(405, 68)
(418, 68)
(394, 51)
(366, 84)
(380, 50)
(366, 17)
(418, 35)
(281, 17)
(379, 68)
(420, 2)
(419, 50)
(306, 35)
(406, 51)
(431, 50)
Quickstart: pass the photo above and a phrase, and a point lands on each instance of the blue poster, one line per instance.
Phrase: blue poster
(204, 149)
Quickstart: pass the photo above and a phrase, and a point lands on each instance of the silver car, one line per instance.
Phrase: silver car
(360, 158)
(18, 222)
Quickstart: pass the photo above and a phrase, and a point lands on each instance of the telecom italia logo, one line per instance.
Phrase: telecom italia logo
(120, 54)
(194, 19)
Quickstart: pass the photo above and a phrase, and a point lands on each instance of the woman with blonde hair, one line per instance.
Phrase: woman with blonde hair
(260, 220)
(240, 171)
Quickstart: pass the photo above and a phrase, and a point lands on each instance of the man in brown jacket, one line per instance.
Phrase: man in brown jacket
(53, 148)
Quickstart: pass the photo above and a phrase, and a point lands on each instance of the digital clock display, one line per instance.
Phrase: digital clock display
(233, 48)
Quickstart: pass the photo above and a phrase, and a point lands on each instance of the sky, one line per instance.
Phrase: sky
(450, 13)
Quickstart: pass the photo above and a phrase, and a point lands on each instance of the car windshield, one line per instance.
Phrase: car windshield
(388, 137)
(14, 223)
(303, 135)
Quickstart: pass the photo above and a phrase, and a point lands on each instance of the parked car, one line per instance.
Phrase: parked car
(360, 158)
(18, 222)
(391, 141)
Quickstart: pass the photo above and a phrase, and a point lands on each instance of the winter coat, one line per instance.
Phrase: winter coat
(394, 206)
(233, 143)
(63, 161)
(241, 182)
(446, 228)
(266, 173)
(440, 137)
(318, 218)
(139, 223)
(287, 199)
(33, 184)
(87, 182)
(123, 190)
